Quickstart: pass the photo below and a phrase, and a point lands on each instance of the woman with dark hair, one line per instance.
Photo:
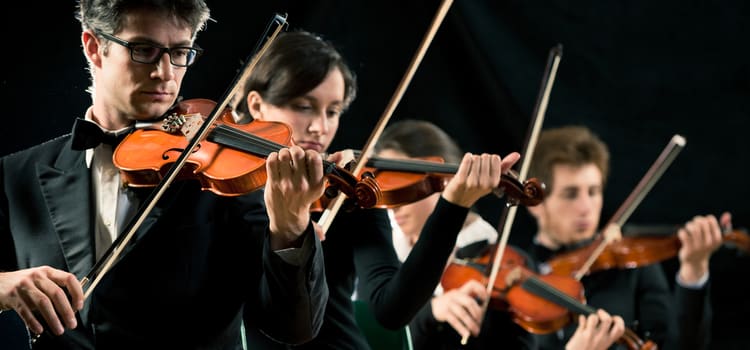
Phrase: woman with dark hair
(304, 82)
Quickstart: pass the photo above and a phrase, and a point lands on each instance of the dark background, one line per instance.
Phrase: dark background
(636, 72)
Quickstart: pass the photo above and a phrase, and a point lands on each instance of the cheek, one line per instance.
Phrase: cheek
(598, 204)
(298, 125)
(334, 125)
(179, 75)
(278, 115)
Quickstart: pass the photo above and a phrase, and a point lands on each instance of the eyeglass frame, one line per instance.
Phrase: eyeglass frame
(162, 50)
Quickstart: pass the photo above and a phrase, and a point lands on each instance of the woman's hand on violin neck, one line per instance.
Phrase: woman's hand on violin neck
(700, 237)
(460, 308)
(598, 331)
(295, 181)
(476, 177)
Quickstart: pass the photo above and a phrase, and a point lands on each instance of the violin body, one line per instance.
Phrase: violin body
(631, 252)
(540, 304)
(532, 312)
(145, 156)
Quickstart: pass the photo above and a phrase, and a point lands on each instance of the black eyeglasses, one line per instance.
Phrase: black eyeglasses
(181, 56)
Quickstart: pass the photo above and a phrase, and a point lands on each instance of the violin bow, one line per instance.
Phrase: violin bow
(540, 109)
(105, 263)
(330, 212)
(612, 229)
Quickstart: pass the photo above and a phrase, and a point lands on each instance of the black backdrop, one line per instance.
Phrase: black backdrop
(636, 72)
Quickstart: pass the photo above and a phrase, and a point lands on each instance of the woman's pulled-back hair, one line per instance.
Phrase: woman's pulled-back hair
(418, 138)
(294, 64)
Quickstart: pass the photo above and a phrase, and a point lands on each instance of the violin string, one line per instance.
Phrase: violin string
(411, 165)
(415, 166)
(243, 141)
(538, 287)
(542, 289)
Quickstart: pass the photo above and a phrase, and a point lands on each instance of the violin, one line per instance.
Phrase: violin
(403, 181)
(540, 304)
(632, 252)
(230, 162)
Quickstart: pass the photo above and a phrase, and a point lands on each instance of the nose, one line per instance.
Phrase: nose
(164, 68)
(319, 124)
(584, 203)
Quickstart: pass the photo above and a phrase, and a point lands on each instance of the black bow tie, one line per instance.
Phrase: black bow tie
(87, 134)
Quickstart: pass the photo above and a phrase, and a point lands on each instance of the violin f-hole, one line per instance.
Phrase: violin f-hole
(165, 155)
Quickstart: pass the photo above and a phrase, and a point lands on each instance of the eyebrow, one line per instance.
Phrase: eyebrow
(311, 98)
(147, 40)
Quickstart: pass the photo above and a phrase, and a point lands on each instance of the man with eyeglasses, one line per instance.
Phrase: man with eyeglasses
(180, 56)
(197, 260)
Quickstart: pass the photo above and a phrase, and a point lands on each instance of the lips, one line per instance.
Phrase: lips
(310, 145)
(158, 95)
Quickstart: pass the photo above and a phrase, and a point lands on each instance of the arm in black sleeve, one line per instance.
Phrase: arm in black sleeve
(424, 327)
(693, 312)
(294, 295)
(397, 291)
(287, 291)
(654, 306)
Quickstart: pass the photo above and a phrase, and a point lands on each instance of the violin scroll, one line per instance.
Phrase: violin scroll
(528, 193)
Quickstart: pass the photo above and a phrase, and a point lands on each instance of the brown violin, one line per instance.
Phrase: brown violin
(229, 162)
(632, 252)
(540, 304)
(403, 181)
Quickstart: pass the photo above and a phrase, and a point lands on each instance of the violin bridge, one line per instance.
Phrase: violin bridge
(187, 124)
(513, 276)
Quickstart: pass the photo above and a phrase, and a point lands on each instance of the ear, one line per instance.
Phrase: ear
(255, 105)
(91, 46)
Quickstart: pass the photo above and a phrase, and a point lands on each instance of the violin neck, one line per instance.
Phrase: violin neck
(243, 141)
(413, 166)
(540, 288)
(738, 239)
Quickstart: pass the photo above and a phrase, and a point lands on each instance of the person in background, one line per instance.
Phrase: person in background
(454, 314)
(198, 260)
(574, 164)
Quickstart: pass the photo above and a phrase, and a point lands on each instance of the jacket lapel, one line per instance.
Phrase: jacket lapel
(66, 187)
(66, 190)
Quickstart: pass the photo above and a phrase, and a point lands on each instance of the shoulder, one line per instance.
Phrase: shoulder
(41, 152)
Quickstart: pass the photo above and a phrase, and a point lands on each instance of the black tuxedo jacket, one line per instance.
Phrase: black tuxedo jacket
(195, 263)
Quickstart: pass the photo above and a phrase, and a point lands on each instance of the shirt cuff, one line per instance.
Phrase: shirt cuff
(297, 256)
(699, 284)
